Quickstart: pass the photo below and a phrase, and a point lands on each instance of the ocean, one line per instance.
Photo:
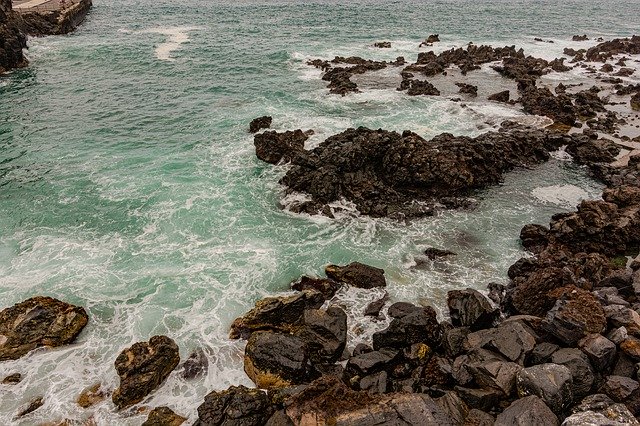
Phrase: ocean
(129, 183)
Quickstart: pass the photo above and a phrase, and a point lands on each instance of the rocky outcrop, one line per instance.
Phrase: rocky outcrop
(36, 322)
(63, 20)
(273, 147)
(357, 274)
(163, 416)
(259, 123)
(12, 39)
(142, 368)
(237, 405)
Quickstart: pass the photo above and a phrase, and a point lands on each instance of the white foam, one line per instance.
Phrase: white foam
(176, 36)
(563, 195)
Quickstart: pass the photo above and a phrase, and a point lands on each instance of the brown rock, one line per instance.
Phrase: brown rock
(163, 416)
(91, 395)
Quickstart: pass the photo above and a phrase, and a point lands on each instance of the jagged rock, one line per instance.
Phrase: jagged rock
(500, 96)
(276, 313)
(580, 37)
(324, 333)
(540, 101)
(196, 365)
(374, 383)
(31, 407)
(511, 339)
(418, 87)
(468, 89)
(382, 44)
(469, 308)
(39, 321)
(541, 353)
(528, 411)
(13, 40)
(91, 395)
(580, 368)
(402, 309)
(273, 147)
(329, 401)
(279, 418)
(621, 316)
(634, 102)
(619, 388)
(275, 360)
(142, 368)
(618, 335)
(478, 418)
(163, 416)
(600, 350)
(327, 287)
(373, 309)
(357, 274)
(263, 122)
(593, 151)
(496, 374)
(434, 253)
(12, 379)
(453, 340)
(575, 314)
(437, 372)
(534, 237)
(237, 405)
(483, 399)
(600, 410)
(454, 406)
(631, 347)
(371, 362)
(419, 326)
(550, 382)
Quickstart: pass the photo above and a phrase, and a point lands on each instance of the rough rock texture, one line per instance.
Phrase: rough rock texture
(551, 382)
(142, 368)
(500, 96)
(390, 174)
(575, 314)
(259, 123)
(357, 274)
(273, 147)
(39, 321)
(163, 416)
(325, 334)
(528, 411)
(600, 410)
(325, 286)
(12, 40)
(276, 313)
(275, 360)
(196, 365)
(91, 395)
(419, 326)
(237, 405)
(470, 308)
(54, 22)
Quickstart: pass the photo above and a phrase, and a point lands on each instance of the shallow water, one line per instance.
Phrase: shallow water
(129, 184)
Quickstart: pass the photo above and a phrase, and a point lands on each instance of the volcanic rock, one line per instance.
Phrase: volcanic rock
(196, 365)
(553, 383)
(39, 321)
(600, 350)
(419, 326)
(142, 368)
(263, 122)
(469, 308)
(468, 89)
(600, 410)
(528, 411)
(237, 405)
(327, 287)
(357, 274)
(500, 96)
(382, 44)
(273, 147)
(619, 388)
(325, 334)
(580, 368)
(12, 39)
(163, 416)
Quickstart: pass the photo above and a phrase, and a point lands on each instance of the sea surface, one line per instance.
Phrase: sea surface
(129, 183)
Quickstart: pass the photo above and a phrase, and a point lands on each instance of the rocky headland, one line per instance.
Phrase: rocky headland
(12, 39)
(61, 18)
(557, 343)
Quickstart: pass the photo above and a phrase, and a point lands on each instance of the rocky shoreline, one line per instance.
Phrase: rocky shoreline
(559, 344)
(12, 39)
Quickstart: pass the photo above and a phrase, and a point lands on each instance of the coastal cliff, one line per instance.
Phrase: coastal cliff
(61, 19)
(12, 40)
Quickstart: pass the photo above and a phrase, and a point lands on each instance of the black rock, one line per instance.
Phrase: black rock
(273, 147)
(469, 308)
(357, 274)
(600, 350)
(237, 405)
(325, 334)
(196, 365)
(528, 411)
(420, 326)
(260, 123)
(580, 368)
(553, 383)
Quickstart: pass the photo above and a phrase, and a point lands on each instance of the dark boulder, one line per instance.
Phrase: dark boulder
(402, 309)
(419, 326)
(196, 365)
(12, 37)
(142, 368)
(327, 287)
(540, 101)
(600, 410)
(534, 237)
(580, 368)
(418, 87)
(36, 322)
(12, 379)
(483, 399)
(513, 340)
(499, 375)
(357, 274)
(600, 350)
(273, 147)
(541, 353)
(469, 308)
(263, 122)
(237, 405)
(373, 309)
(478, 418)
(580, 38)
(553, 383)
(619, 388)
(434, 253)
(276, 360)
(500, 96)
(456, 409)
(528, 411)
(469, 89)
(30, 408)
(325, 334)
(276, 314)
(382, 44)
(163, 416)
(371, 362)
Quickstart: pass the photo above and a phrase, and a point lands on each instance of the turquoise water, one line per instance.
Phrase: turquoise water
(129, 184)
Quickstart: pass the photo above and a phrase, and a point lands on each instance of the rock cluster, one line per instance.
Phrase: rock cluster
(12, 40)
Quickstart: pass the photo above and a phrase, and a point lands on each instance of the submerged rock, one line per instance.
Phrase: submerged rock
(196, 365)
(31, 407)
(39, 321)
(142, 368)
(357, 274)
(237, 405)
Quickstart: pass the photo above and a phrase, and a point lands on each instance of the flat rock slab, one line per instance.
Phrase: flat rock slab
(39, 321)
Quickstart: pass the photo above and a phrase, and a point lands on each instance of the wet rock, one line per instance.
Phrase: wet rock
(13, 39)
(625, 72)
(275, 360)
(469, 89)
(453, 340)
(418, 87)
(383, 44)
(374, 383)
(511, 339)
(163, 416)
(12, 379)
(617, 335)
(39, 321)
(496, 292)
(534, 237)
(419, 326)
(619, 388)
(142, 368)
(593, 151)
(327, 287)
(540, 101)
(528, 411)
(500, 96)
(483, 399)
(580, 37)
(600, 410)
(324, 333)
(437, 373)
(575, 314)
(31, 407)
(263, 122)
(357, 274)
(550, 382)
(580, 368)
(478, 418)
(634, 102)
(237, 405)
(196, 365)
(373, 309)
(402, 309)
(276, 314)
(469, 308)
(606, 50)
(371, 362)
(273, 147)
(91, 395)
(600, 350)
(434, 253)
